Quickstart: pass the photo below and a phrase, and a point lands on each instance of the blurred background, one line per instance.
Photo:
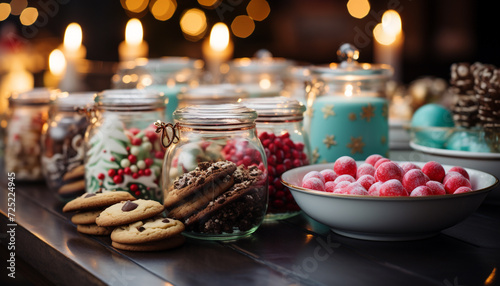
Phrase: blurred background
(435, 33)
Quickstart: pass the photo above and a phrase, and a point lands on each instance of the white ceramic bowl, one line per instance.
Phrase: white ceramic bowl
(486, 162)
(387, 218)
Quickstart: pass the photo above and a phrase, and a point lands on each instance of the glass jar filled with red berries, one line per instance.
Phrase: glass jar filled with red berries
(215, 171)
(286, 144)
(122, 150)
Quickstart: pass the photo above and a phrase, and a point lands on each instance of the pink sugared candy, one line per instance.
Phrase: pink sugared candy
(454, 182)
(328, 174)
(434, 171)
(313, 183)
(461, 171)
(449, 175)
(313, 174)
(340, 187)
(380, 162)
(414, 178)
(345, 165)
(365, 169)
(366, 181)
(388, 171)
(421, 191)
(392, 188)
(356, 189)
(375, 189)
(330, 186)
(347, 178)
(436, 187)
(462, 190)
(407, 166)
(372, 159)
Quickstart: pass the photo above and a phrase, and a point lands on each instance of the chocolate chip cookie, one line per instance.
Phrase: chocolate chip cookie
(129, 211)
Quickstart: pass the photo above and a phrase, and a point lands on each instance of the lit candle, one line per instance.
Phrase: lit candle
(217, 50)
(18, 79)
(57, 67)
(388, 42)
(74, 52)
(134, 46)
(353, 123)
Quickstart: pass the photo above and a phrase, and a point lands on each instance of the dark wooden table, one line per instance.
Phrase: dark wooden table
(296, 251)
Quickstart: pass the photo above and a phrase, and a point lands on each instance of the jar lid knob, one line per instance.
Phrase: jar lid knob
(348, 54)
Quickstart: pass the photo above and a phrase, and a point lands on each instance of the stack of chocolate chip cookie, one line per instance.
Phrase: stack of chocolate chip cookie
(465, 108)
(88, 208)
(218, 197)
(139, 226)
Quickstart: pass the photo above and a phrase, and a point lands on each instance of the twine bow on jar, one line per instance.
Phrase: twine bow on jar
(169, 133)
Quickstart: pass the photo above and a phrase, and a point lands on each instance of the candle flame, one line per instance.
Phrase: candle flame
(219, 37)
(391, 22)
(382, 37)
(57, 62)
(73, 37)
(348, 90)
(133, 32)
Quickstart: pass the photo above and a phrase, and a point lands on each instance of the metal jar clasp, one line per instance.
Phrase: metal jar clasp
(169, 133)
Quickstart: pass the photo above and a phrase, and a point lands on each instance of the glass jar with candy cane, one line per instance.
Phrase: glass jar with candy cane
(281, 131)
(123, 152)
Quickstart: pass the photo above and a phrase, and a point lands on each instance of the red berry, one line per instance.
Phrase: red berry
(138, 193)
(266, 142)
(434, 171)
(127, 171)
(278, 204)
(345, 165)
(455, 182)
(299, 146)
(380, 162)
(461, 171)
(117, 179)
(328, 174)
(414, 178)
(313, 184)
(392, 188)
(136, 141)
(421, 191)
(388, 171)
(134, 130)
(112, 159)
(285, 135)
(365, 169)
(134, 187)
(147, 172)
(280, 169)
(297, 163)
(372, 159)
(288, 164)
(159, 155)
(271, 190)
(132, 158)
(111, 172)
(462, 190)
(436, 187)
(140, 173)
(120, 172)
(263, 136)
(277, 142)
(101, 176)
(135, 175)
(148, 161)
(151, 136)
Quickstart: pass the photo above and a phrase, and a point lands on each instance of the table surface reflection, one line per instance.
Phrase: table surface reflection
(295, 251)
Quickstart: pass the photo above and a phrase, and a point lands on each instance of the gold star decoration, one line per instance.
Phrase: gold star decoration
(383, 140)
(356, 145)
(368, 112)
(315, 155)
(352, 116)
(385, 111)
(329, 141)
(328, 111)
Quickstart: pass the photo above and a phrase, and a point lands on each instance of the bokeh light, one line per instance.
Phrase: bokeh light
(258, 9)
(4, 11)
(17, 6)
(136, 6)
(28, 16)
(57, 62)
(382, 37)
(358, 8)
(193, 23)
(73, 36)
(134, 32)
(163, 9)
(219, 37)
(242, 26)
(209, 3)
(391, 22)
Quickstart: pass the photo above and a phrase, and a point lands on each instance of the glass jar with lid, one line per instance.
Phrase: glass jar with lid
(28, 114)
(347, 108)
(63, 151)
(281, 131)
(211, 94)
(122, 150)
(261, 76)
(218, 196)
